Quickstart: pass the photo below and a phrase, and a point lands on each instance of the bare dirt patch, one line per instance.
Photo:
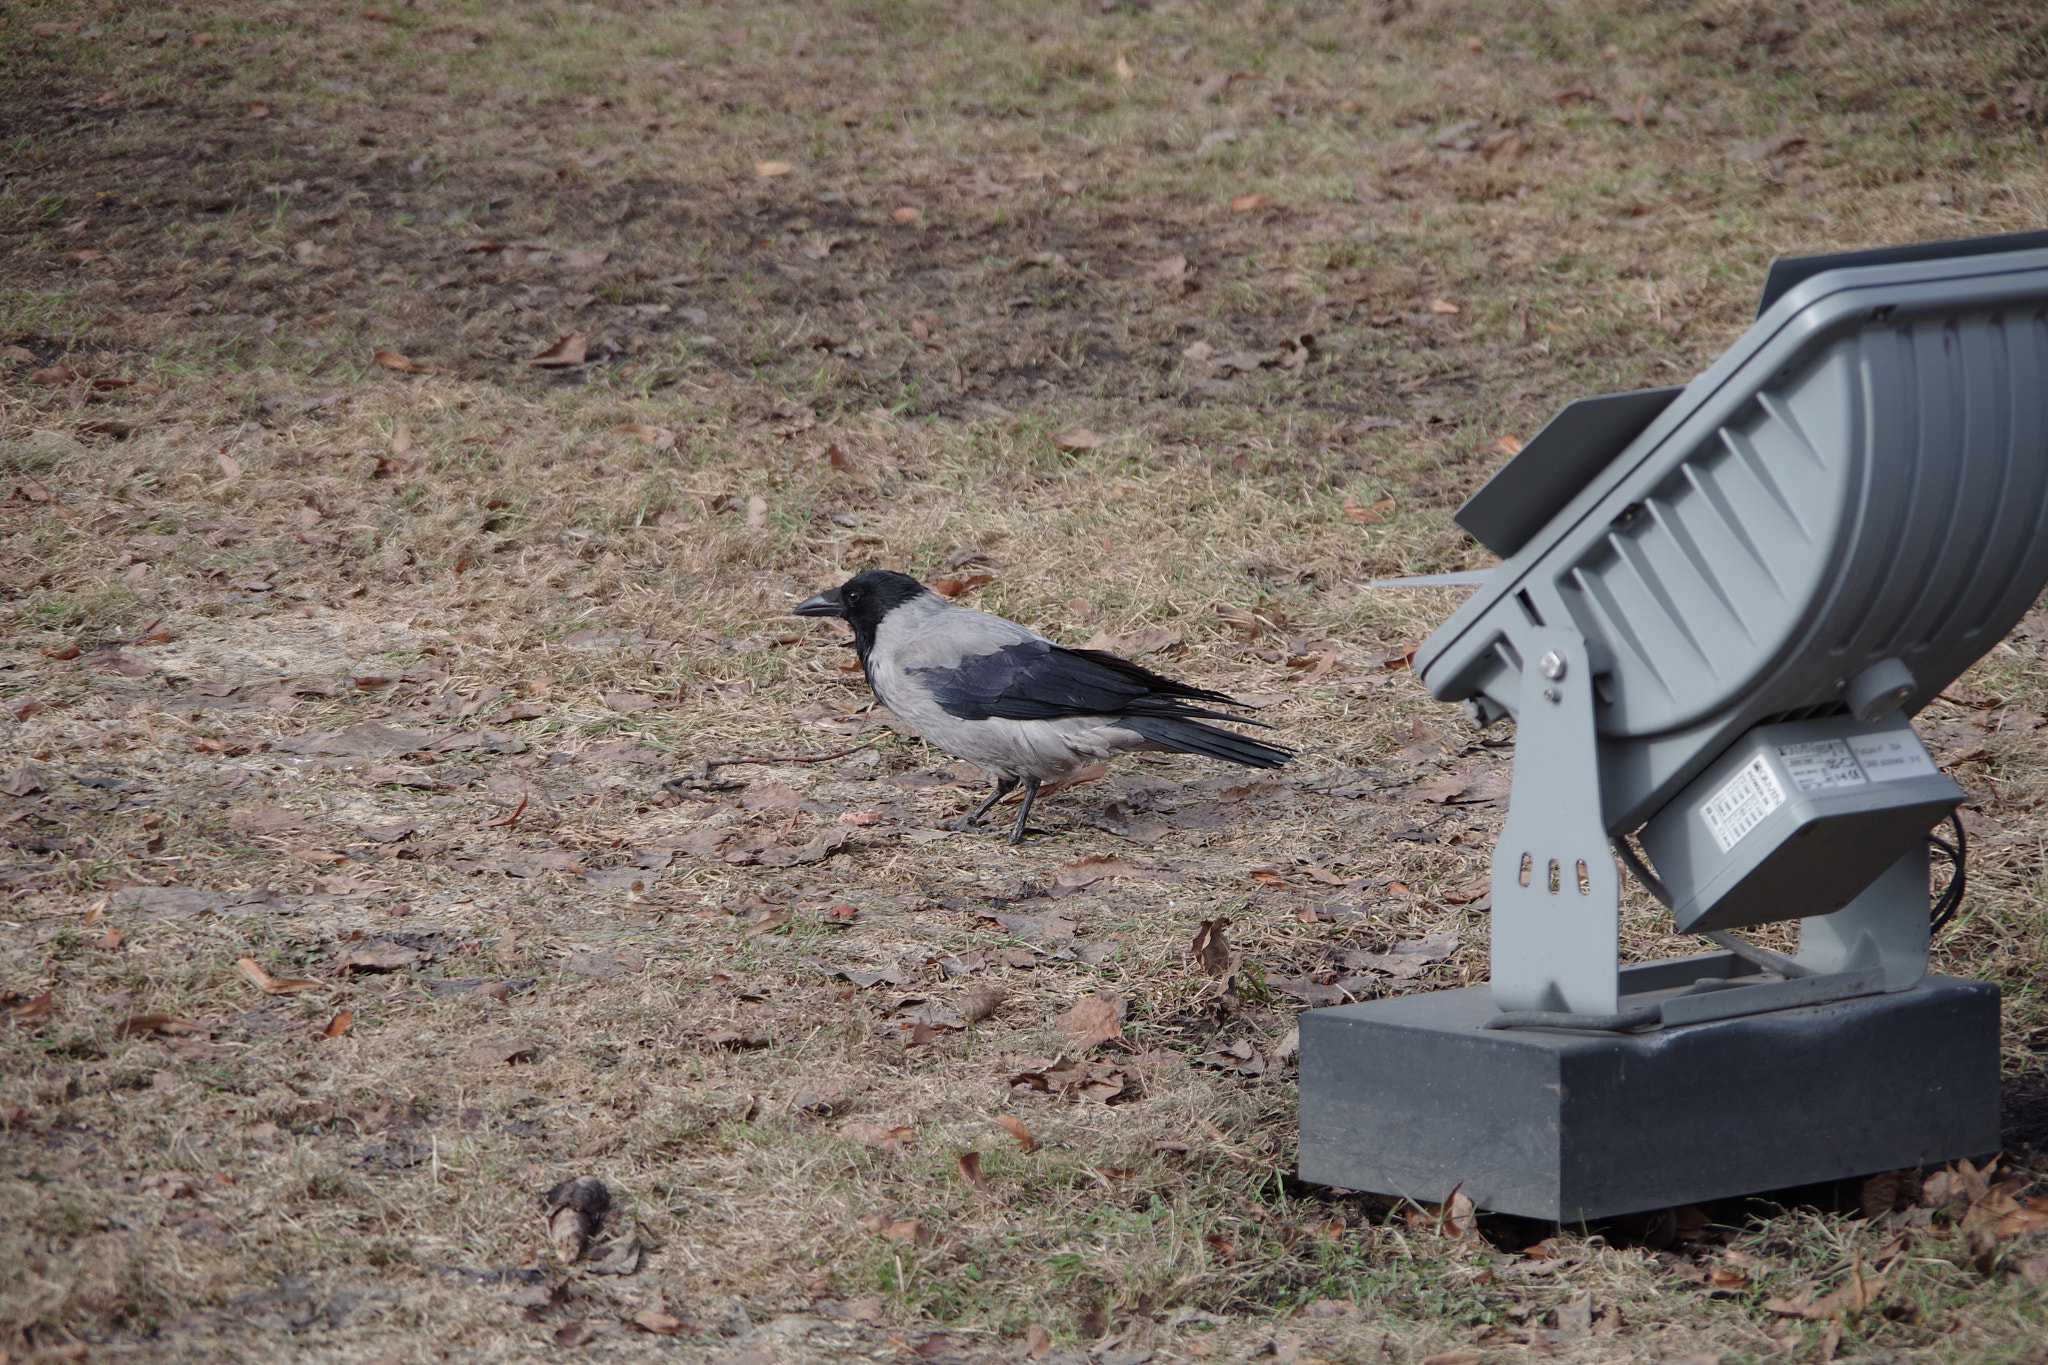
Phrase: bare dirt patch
(348, 652)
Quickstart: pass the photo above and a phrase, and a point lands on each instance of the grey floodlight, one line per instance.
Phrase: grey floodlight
(1717, 611)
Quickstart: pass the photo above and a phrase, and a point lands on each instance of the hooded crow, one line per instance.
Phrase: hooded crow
(1011, 701)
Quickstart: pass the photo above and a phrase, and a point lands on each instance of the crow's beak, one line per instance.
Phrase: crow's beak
(826, 603)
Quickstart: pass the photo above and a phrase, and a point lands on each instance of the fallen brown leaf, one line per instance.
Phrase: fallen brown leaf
(981, 1002)
(567, 351)
(880, 1138)
(1093, 772)
(1504, 147)
(339, 1024)
(655, 1321)
(2029, 1219)
(661, 438)
(1211, 946)
(404, 364)
(1016, 1129)
(822, 1102)
(1092, 1021)
(1858, 1293)
(970, 1170)
(169, 1025)
(738, 1041)
(606, 964)
(379, 955)
(954, 587)
(274, 985)
(1457, 1217)
(1096, 1082)
(317, 856)
(1087, 872)
(769, 170)
(1152, 640)
(866, 1310)
(1079, 438)
(897, 1229)
(36, 1010)
(1241, 1057)
(1769, 147)
(498, 1051)
(576, 1210)
(1406, 959)
(1245, 203)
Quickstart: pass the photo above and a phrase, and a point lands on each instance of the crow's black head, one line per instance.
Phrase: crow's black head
(863, 600)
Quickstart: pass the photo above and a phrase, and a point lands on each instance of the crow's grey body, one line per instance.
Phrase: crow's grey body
(932, 660)
(1011, 701)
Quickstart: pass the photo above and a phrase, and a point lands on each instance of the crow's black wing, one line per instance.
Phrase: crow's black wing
(1038, 680)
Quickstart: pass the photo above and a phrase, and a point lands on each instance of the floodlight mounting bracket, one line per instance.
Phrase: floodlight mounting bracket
(1556, 890)
(1886, 926)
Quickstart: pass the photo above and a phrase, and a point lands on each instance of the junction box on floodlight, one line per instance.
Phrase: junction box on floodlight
(1808, 813)
(1718, 609)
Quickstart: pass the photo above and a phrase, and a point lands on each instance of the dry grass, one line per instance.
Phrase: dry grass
(275, 205)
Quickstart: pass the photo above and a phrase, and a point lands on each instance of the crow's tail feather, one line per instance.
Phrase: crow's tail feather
(1193, 737)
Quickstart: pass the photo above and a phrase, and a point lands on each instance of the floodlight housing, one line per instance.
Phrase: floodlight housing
(1718, 608)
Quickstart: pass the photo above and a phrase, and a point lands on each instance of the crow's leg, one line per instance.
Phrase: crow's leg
(1030, 795)
(1004, 786)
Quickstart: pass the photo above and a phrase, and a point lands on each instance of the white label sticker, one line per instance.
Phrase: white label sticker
(1892, 754)
(1742, 803)
(1821, 765)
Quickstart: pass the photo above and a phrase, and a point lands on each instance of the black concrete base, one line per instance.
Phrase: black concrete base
(1410, 1096)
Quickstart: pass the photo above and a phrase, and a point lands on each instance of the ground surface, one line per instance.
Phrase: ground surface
(345, 653)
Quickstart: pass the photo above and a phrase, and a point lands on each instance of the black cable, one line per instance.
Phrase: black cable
(1652, 883)
(1958, 855)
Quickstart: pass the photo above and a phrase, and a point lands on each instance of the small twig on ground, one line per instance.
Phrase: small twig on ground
(701, 779)
(511, 821)
(711, 763)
